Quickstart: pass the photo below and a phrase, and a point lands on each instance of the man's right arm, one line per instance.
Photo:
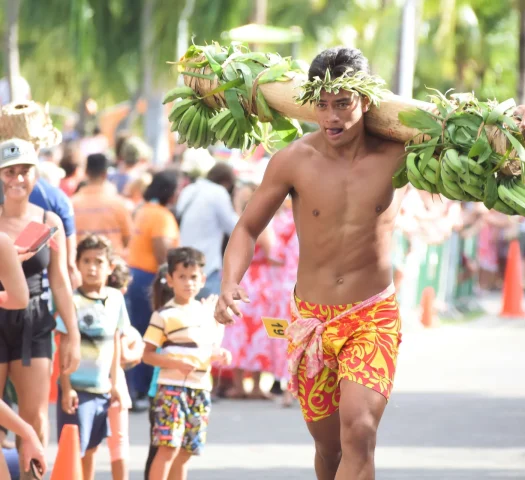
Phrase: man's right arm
(276, 184)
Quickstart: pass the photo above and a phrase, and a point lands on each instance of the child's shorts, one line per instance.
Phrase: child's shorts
(91, 417)
(181, 418)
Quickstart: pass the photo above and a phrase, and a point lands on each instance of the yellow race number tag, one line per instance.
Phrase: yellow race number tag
(275, 327)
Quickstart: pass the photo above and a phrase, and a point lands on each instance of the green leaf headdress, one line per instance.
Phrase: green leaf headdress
(369, 86)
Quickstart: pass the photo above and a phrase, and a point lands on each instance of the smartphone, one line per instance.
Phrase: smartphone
(34, 236)
(36, 470)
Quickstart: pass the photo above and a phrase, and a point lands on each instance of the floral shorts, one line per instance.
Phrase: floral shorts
(181, 418)
(363, 345)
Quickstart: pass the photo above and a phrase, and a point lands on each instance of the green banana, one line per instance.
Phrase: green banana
(429, 175)
(231, 140)
(193, 129)
(502, 207)
(509, 197)
(400, 178)
(411, 166)
(218, 121)
(473, 190)
(179, 108)
(413, 180)
(178, 92)
(490, 195)
(201, 133)
(226, 129)
(185, 121)
(443, 191)
(453, 189)
(451, 158)
(472, 165)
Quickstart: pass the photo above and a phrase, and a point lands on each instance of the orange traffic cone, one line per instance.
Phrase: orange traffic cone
(513, 283)
(68, 464)
(427, 307)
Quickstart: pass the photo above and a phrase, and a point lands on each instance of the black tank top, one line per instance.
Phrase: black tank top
(34, 269)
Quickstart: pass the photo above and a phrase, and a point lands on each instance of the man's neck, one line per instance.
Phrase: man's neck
(96, 181)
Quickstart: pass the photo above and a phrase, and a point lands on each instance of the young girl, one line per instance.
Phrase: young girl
(132, 348)
(161, 293)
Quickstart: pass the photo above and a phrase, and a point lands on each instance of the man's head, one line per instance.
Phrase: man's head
(222, 174)
(185, 275)
(135, 151)
(338, 112)
(97, 166)
(93, 260)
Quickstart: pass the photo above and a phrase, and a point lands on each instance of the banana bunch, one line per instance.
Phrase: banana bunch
(190, 117)
(458, 177)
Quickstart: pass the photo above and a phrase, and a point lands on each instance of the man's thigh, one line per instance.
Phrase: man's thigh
(359, 407)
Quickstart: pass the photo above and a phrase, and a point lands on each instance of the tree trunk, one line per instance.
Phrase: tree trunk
(406, 59)
(521, 85)
(260, 17)
(11, 45)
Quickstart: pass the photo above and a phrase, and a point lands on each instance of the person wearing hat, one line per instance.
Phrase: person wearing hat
(25, 334)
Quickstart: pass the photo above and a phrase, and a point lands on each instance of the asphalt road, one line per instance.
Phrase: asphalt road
(457, 412)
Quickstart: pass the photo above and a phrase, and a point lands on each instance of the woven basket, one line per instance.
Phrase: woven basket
(28, 121)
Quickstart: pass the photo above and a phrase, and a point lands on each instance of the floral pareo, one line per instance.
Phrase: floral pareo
(181, 418)
(361, 346)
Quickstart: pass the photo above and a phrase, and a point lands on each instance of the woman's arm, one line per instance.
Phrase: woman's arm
(63, 298)
(16, 294)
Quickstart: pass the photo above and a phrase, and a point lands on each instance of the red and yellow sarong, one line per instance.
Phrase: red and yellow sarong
(328, 343)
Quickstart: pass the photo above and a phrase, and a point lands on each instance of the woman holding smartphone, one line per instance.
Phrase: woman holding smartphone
(25, 334)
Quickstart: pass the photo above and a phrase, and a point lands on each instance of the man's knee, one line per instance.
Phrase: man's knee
(359, 434)
(329, 452)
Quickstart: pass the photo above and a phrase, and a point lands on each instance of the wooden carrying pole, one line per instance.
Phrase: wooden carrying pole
(382, 122)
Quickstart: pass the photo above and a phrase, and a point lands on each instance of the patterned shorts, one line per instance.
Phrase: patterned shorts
(363, 344)
(181, 418)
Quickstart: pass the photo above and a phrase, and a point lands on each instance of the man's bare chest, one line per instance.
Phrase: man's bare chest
(342, 197)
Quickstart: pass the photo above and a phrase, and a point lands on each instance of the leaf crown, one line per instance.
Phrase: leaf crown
(370, 86)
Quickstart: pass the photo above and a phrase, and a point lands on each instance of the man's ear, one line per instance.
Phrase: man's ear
(365, 104)
(168, 280)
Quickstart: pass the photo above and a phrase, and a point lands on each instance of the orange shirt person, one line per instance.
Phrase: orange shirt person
(155, 231)
(99, 210)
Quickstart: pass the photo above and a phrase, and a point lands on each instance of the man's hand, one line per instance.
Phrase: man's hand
(69, 353)
(32, 449)
(226, 304)
(69, 401)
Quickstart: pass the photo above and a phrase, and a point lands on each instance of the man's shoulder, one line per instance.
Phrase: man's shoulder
(388, 147)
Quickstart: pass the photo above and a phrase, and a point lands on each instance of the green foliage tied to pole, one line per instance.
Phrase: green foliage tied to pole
(471, 151)
(221, 100)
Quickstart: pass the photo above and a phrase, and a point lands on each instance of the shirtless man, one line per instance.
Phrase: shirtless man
(340, 179)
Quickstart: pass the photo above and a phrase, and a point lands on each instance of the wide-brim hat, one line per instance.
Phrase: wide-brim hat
(29, 121)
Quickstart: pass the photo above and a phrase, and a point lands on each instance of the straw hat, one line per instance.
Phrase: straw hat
(29, 121)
